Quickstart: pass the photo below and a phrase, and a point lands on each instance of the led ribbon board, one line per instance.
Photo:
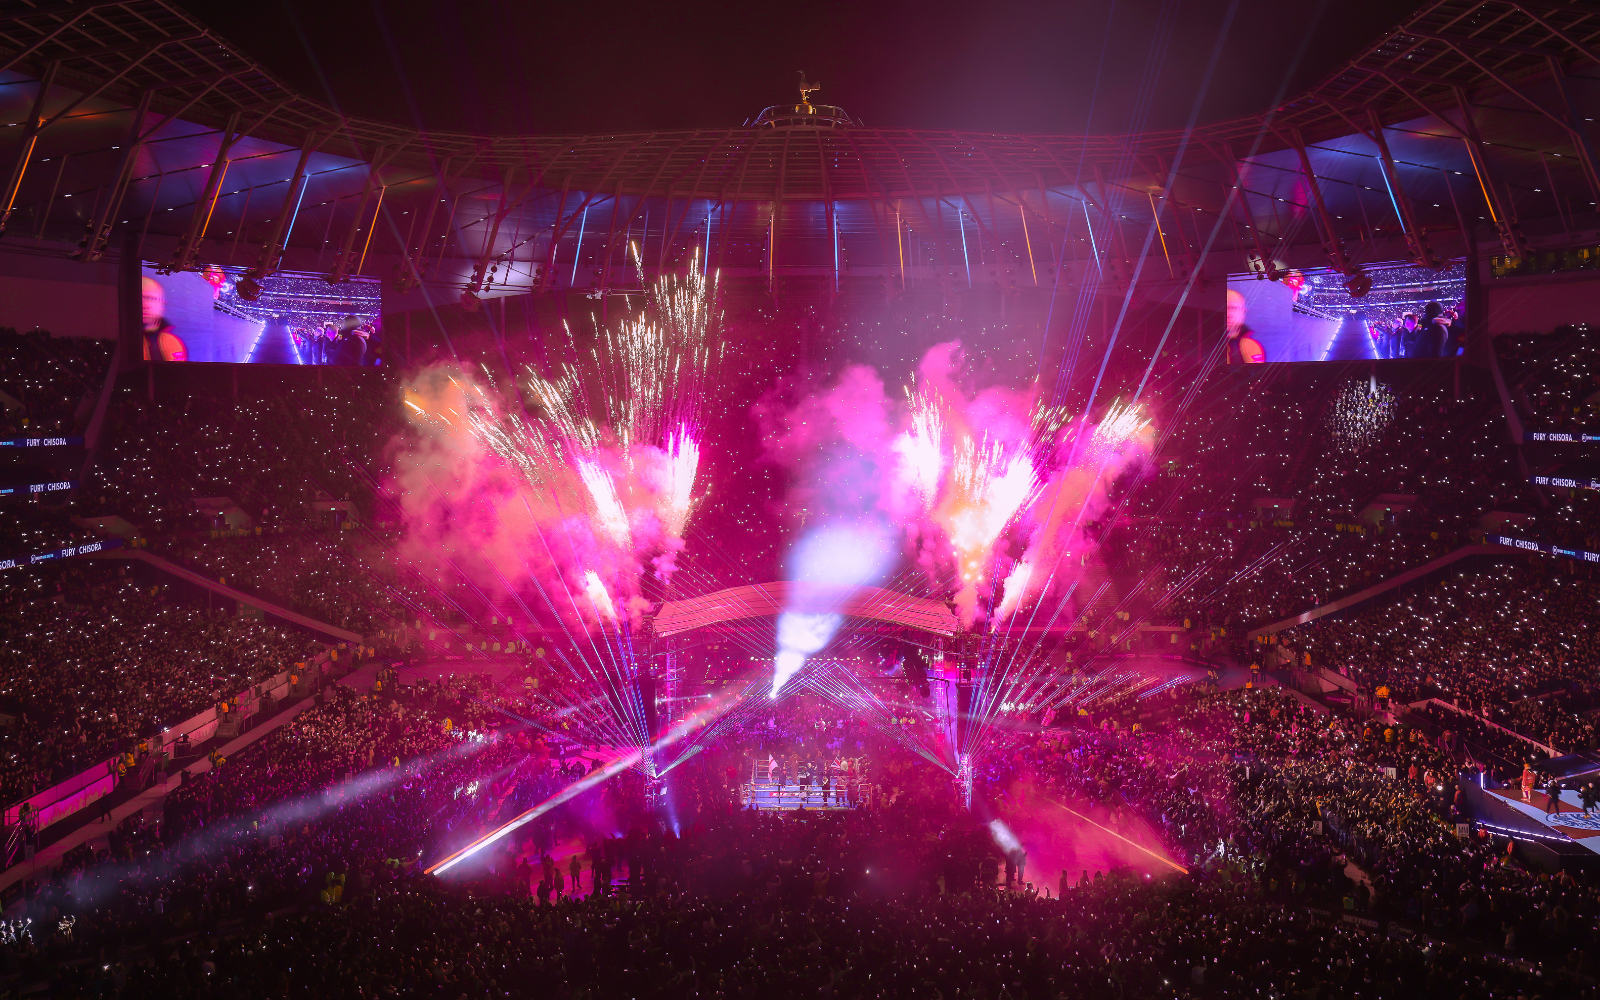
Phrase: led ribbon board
(1571, 484)
(7, 491)
(66, 553)
(53, 442)
(1555, 550)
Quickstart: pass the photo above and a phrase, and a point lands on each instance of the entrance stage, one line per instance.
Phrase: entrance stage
(1557, 832)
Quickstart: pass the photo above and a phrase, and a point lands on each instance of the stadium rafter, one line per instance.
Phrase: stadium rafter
(1493, 91)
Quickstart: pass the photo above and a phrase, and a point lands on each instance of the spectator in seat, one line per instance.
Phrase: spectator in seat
(1435, 332)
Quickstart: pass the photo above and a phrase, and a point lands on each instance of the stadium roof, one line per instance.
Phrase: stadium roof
(1473, 117)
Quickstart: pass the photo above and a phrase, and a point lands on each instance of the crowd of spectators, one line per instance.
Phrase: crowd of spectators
(284, 460)
(304, 525)
(1514, 644)
(295, 868)
(105, 659)
(1555, 377)
(1286, 494)
(48, 384)
(334, 576)
(27, 528)
(1262, 818)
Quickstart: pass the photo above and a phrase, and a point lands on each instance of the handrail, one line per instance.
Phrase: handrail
(1552, 751)
(78, 791)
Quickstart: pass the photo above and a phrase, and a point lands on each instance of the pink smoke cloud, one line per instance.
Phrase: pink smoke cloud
(989, 489)
(509, 501)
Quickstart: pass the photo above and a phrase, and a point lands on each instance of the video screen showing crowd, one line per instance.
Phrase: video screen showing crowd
(296, 319)
(1407, 313)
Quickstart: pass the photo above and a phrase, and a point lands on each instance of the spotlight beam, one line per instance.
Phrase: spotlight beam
(626, 761)
(573, 790)
(1138, 847)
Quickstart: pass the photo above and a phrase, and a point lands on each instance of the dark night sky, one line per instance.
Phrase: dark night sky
(501, 66)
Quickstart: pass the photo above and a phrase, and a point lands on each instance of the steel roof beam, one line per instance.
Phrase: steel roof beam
(200, 218)
(1528, 8)
(1449, 44)
(1416, 239)
(51, 10)
(124, 48)
(1226, 157)
(30, 138)
(637, 205)
(1580, 134)
(481, 268)
(341, 264)
(99, 229)
(705, 164)
(868, 177)
(18, 15)
(272, 248)
(1580, 140)
(1501, 211)
(1332, 245)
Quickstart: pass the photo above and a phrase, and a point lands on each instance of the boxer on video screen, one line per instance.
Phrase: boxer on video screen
(160, 343)
(1243, 349)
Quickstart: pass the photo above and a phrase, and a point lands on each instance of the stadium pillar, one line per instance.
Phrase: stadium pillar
(1237, 196)
(268, 261)
(555, 236)
(1577, 125)
(93, 244)
(1331, 244)
(607, 248)
(1416, 239)
(411, 262)
(1501, 211)
(200, 219)
(1570, 120)
(480, 270)
(99, 223)
(341, 264)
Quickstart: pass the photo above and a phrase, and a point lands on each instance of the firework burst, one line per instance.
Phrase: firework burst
(989, 484)
(645, 381)
(607, 449)
(1115, 429)
(920, 449)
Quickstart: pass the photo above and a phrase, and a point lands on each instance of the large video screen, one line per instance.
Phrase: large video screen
(297, 319)
(1408, 312)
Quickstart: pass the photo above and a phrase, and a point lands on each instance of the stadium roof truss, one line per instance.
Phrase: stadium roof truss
(1471, 121)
